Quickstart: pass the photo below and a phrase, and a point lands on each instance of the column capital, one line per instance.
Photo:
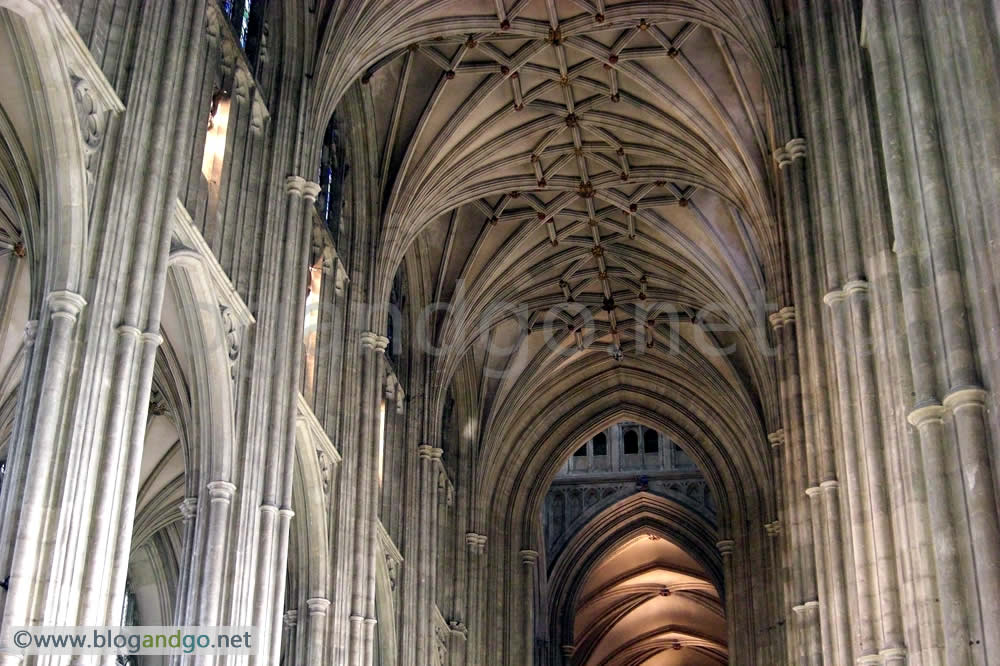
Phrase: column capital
(30, 331)
(221, 491)
(528, 556)
(788, 153)
(372, 340)
(925, 414)
(968, 396)
(568, 650)
(436, 453)
(66, 304)
(475, 542)
(830, 484)
(317, 606)
(813, 491)
(290, 618)
(777, 438)
(424, 451)
(311, 190)
(781, 157)
(833, 297)
(299, 186)
(773, 528)
(796, 148)
(856, 286)
(893, 653)
(188, 507)
(726, 547)
(806, 607)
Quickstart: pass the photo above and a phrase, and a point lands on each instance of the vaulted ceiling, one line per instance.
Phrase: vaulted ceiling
(580, 179)
(648, 602)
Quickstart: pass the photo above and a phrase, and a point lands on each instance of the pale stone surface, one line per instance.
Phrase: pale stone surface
(305, 311)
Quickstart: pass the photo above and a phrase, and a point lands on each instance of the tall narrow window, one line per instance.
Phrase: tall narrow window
(381, 441)
(311, 327)
(650, 442)
(332, 171)
(631, 443)
(600, 444)
(215, 145)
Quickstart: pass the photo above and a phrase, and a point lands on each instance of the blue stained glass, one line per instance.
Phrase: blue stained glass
(245, 24)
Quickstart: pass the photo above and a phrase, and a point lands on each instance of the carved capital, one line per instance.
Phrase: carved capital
(529, 557)
(65, 304)
(856, 286)
(777, 438)
(295, 185)
(317, 606)
(834, 297)
(476, 543)
(221, 491)
(30, 331)
(781, 157)
(189, 508)
(791, 151)
(773, 528)
(310, 191)
(926, 414)
(796, 148)
(971, 396)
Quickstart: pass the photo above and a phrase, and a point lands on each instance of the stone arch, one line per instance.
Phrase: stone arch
(512, 494)
(46, 57)
(637, 514)
(385, 612)
(193, 318)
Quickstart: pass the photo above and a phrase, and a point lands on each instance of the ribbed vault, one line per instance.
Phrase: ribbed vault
(638, 584)
(580, 181)
(582, 195)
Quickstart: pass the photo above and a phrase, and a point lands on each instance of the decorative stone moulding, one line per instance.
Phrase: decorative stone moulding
(791, 151)
(65, 304)
(925, 414)
(971, 396)
(476, 542)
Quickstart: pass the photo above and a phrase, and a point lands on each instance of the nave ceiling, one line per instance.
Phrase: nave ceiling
(572, 181)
